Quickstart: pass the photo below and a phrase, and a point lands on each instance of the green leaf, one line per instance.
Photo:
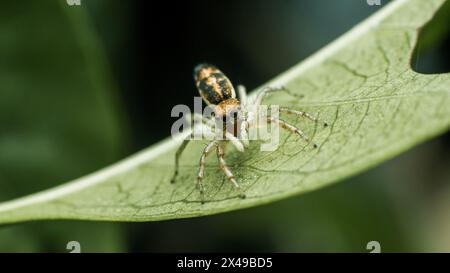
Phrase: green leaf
(361, 84)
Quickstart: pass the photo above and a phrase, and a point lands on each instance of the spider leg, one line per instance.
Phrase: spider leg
(234, 140)
(192, 136)
(201, 169)
(244, 133)
(226, 170)
(242, 94)
(283, 124)
(180, 150)
(300, 113)
(270, 89)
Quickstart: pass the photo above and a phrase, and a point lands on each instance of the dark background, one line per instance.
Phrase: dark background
(154, 45)
(150, 49)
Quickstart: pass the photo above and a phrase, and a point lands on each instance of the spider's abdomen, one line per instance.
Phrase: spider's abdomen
(212, 84)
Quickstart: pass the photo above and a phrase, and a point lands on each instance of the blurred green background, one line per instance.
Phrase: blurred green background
(84, 86)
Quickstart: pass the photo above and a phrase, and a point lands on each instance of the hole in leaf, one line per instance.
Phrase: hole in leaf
(431, 54)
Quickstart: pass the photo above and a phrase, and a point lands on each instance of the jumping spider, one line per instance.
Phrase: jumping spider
(218, 92)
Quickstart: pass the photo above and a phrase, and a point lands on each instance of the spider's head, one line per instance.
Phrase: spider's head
(227, 109)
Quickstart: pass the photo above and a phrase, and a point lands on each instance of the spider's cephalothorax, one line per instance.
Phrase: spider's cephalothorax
(234, 118)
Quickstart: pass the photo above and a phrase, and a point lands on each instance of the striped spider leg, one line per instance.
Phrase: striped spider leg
(283, 124)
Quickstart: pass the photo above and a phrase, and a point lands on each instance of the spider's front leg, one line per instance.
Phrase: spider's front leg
(226, 170)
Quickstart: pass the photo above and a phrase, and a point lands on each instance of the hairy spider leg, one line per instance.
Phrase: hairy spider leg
(206, 126)
(300, 113)
(269, 89)
(180, 150)
(201, 169)
(226, 170)
(182, 147)
(283, 124)
(242, 94)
